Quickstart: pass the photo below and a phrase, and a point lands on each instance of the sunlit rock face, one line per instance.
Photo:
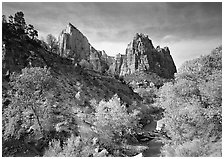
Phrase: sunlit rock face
(142, 56)
(115, 66)
(74, 45)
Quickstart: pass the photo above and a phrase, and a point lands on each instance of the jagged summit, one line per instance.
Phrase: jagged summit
(142, 56)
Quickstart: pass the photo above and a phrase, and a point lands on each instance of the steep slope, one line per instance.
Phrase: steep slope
(93, 85)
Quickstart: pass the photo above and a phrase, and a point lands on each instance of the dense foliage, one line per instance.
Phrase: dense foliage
(16, 27)
(30, 101)
(35, 108)
(193, 108)
(113, 123)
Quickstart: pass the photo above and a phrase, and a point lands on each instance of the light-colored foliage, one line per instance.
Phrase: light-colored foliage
(31, 98)
(113, 122)
(193, 106)
(73, 147)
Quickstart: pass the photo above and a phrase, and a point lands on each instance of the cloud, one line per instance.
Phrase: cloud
(111, 48)
(170, 38)
(187, 28)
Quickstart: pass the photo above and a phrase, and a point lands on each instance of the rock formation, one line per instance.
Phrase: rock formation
(74, 45)
(142, 56)
(115, 66)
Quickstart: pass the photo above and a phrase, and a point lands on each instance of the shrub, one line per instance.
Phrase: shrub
(73, 147)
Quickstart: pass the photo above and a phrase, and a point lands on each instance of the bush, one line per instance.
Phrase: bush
(73, 147)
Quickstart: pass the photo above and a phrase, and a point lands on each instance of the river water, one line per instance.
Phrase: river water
(154, 148)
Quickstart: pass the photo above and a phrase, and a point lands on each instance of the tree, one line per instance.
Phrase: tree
(193, 106)
(31, 31)
(20, 23)
(16, 27)
(52, 43)
(113, 123)
(31, 102)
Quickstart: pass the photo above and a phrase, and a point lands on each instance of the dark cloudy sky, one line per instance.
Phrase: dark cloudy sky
(188, 29)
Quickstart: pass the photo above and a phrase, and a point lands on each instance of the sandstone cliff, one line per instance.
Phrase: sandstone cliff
(74, 45)
(142, 56)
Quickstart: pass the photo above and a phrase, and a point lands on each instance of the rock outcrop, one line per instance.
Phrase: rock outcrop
(74, 45)
(142, 56)
(115, 66)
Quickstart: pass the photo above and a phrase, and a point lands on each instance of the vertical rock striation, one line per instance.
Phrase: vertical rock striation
(74, 45)
(142, 56)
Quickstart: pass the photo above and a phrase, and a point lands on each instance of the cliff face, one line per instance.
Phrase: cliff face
(74, 45)
(115, 66)
(142, 56)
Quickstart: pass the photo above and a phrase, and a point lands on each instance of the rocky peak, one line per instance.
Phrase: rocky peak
(142, 56)
(74, 45)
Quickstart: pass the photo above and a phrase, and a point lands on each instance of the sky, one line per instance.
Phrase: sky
(188, 29)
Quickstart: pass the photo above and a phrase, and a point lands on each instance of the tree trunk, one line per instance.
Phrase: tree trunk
(38, 121)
